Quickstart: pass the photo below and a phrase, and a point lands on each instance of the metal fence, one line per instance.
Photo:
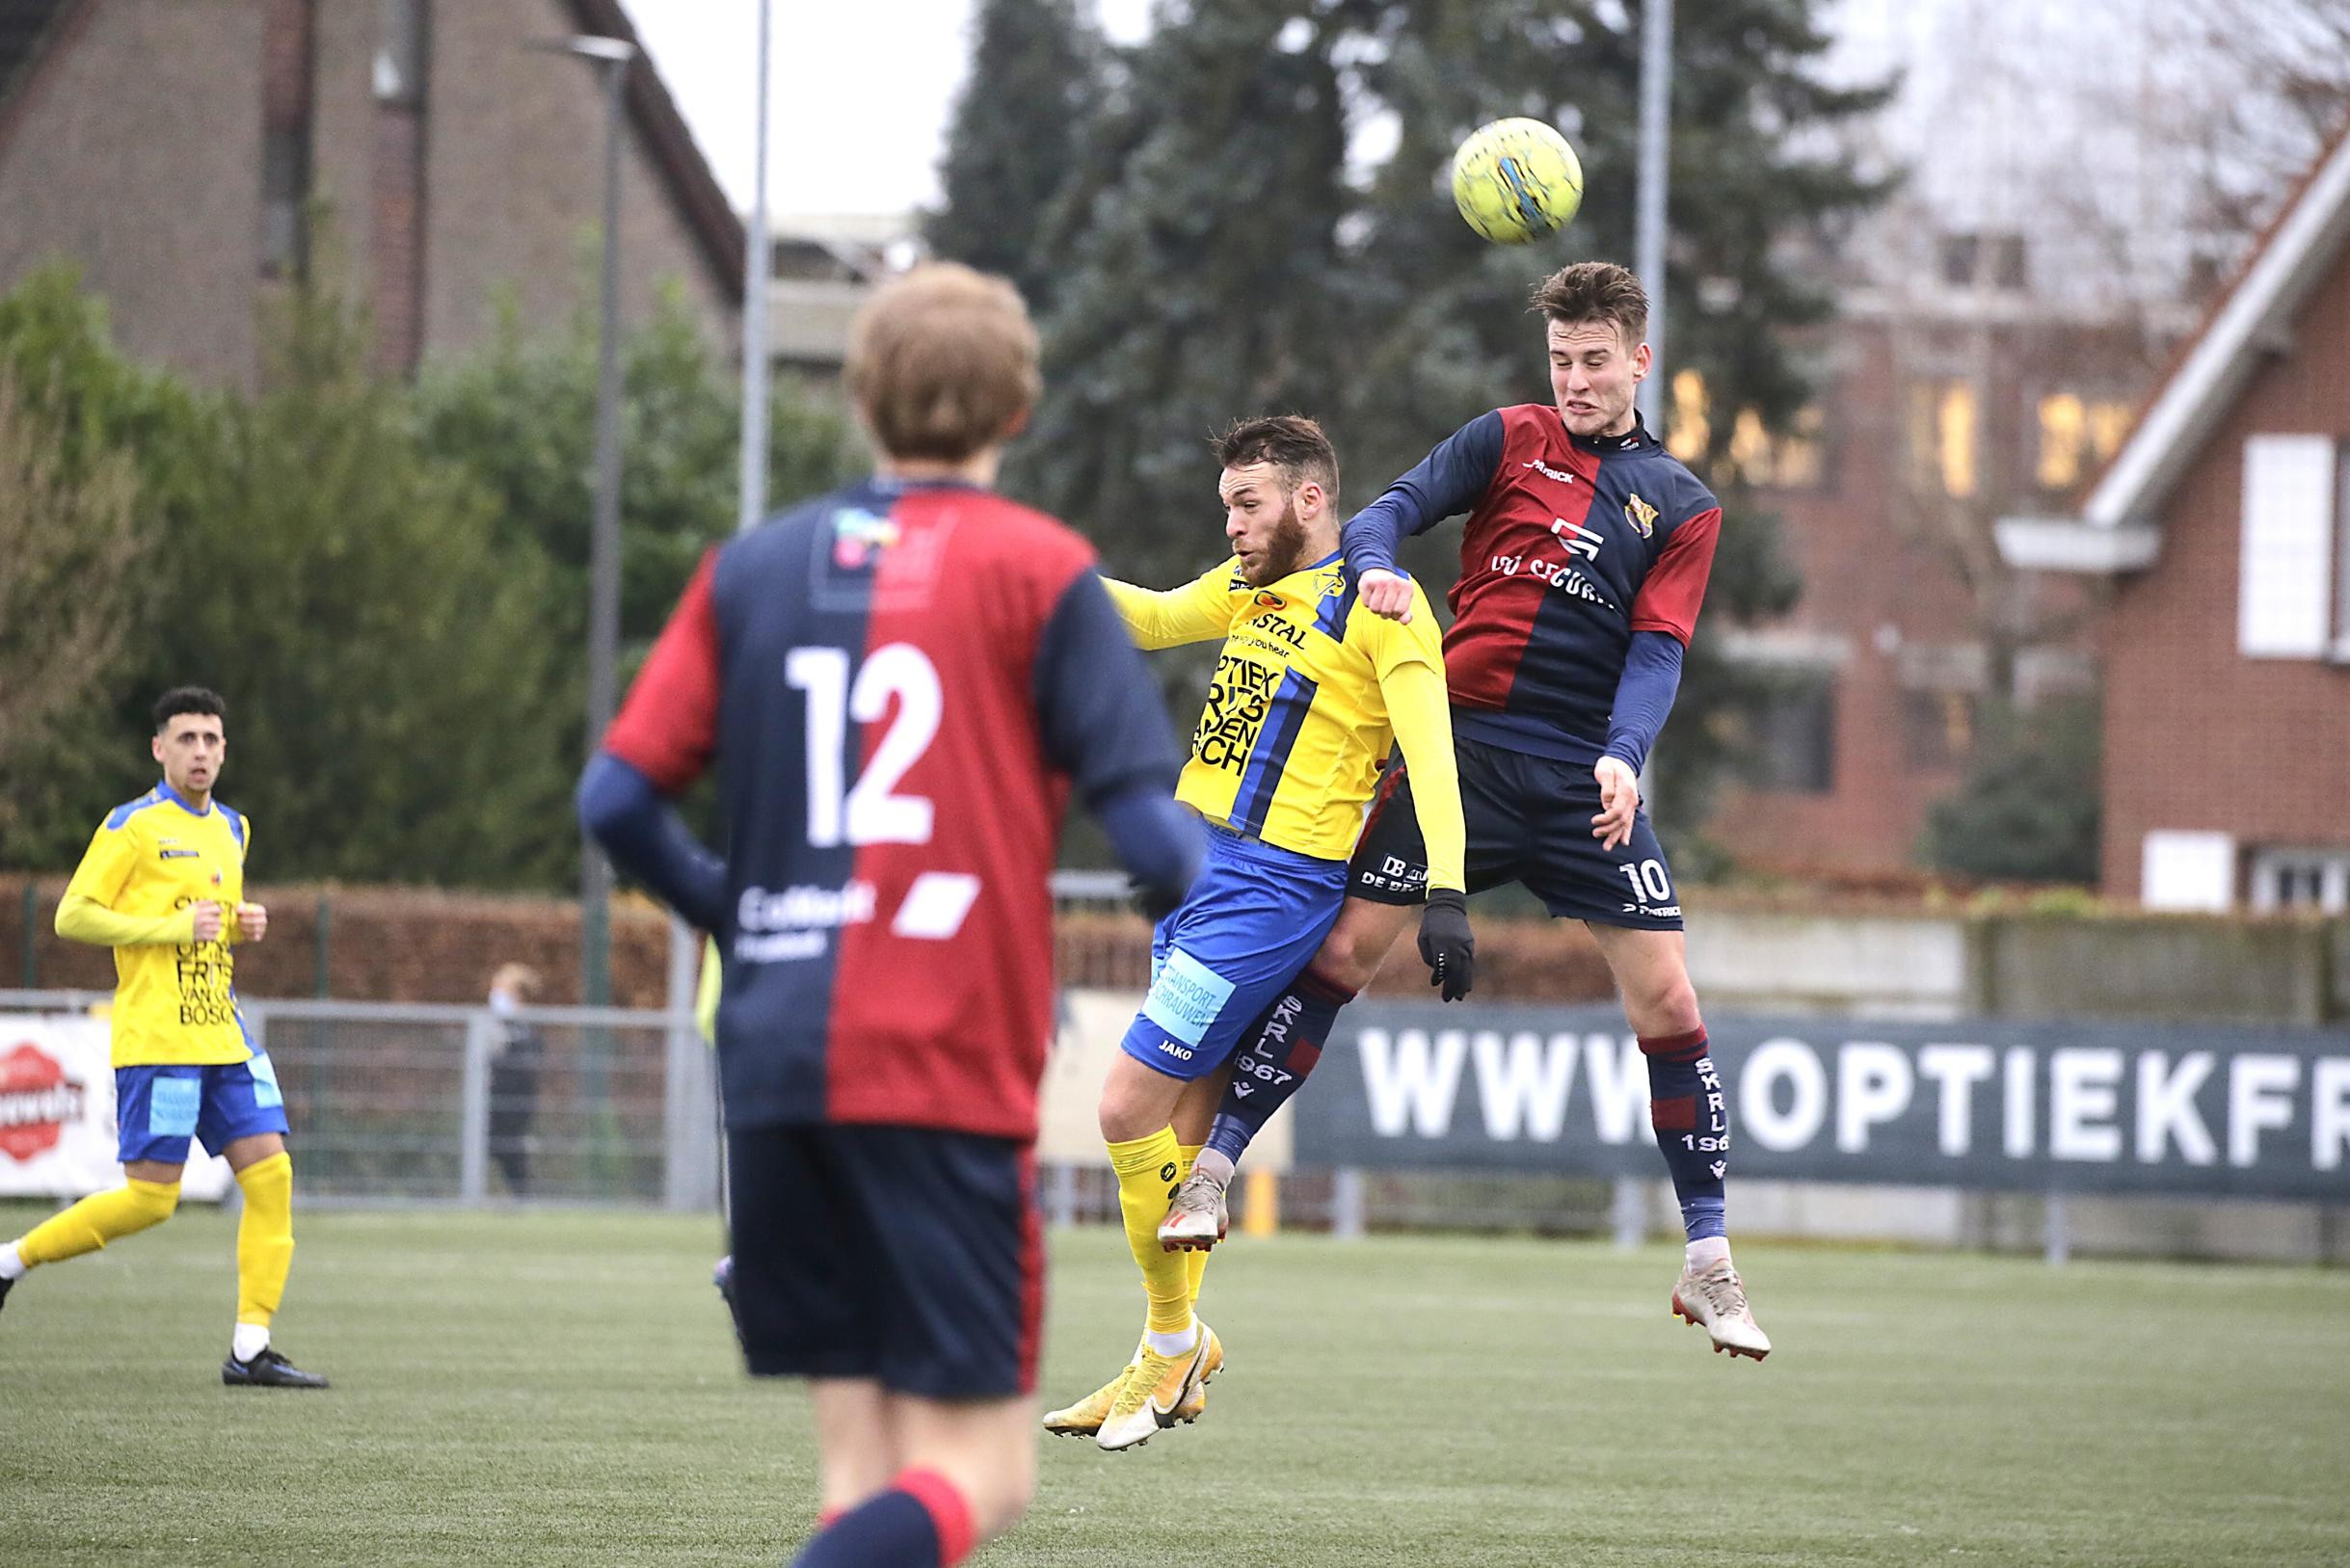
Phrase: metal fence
(412, 1103)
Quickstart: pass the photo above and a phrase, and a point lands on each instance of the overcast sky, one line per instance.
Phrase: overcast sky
(860, 92)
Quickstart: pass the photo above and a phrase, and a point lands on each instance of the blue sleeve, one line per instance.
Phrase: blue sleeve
(642, 832)
(1105, 727)
(1449, 480)
(1644, 695)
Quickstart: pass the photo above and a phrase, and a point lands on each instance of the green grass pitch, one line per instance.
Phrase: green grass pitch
(560, 1388)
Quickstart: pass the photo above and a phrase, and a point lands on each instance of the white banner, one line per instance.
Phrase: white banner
(57, 1113)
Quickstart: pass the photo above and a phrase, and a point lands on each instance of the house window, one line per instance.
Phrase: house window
(1938, 729)
(1690, 430)
(2301, 879)
(2182, 870)
(1794, 732)
(2288, 573)
(399, 56)
(1942, 437)
(2075, 435)
(1786, 460)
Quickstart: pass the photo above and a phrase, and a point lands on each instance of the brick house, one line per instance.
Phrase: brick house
(2223, 528)
(1945, 401)
(175, 150)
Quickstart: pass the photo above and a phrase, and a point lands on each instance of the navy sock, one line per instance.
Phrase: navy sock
(922, 1522)
(1692, 1120)
(1278, 1049)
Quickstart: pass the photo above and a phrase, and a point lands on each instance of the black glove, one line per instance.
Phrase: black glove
(1446, 947)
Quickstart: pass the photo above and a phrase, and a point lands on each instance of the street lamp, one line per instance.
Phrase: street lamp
(611, 58)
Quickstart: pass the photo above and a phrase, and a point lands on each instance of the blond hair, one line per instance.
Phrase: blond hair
(942, 363)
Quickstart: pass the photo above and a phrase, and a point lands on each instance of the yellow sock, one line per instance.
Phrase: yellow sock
(97, 1219)
(1195, 1263)
(264, 1238)
(1149, 1170)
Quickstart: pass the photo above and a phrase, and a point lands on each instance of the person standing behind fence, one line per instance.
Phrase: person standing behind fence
(163, 885)
(900, 682)
(517, 1054)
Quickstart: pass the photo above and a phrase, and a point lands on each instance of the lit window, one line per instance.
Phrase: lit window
(1954, 425)
(1690, 433)
(2064, 428)
(1785, 461)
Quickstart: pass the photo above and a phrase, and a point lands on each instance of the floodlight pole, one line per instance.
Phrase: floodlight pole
(758, 268)
(1654, 180)
(611, 58)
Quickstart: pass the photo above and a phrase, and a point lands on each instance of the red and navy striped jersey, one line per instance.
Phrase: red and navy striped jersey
(901, 683)
(1572, 544)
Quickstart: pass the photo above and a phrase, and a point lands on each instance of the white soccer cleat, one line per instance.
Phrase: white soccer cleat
(1157, 1390)
(1196, 1218)
(1717, 1298)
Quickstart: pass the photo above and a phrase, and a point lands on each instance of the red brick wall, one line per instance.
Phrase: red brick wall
(2197, 737)
(137, 156)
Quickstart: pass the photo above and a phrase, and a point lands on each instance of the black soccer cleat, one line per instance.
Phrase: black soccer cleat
(268, 1371)
(4, 1285)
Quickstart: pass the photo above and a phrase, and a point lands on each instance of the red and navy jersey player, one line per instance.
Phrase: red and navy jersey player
(900, 684)
(1582, 563)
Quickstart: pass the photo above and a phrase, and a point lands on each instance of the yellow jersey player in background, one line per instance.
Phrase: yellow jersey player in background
(163, 885)
(1309, 696)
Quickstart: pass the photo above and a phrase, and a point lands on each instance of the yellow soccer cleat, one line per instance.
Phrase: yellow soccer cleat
(1084, 1417)
(1718, 1300)
(1158, 1390)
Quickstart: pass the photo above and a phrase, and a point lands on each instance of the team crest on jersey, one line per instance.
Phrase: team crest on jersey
(858, 534)
(1641, 514)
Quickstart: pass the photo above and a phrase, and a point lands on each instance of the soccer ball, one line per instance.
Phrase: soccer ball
(1515, 179)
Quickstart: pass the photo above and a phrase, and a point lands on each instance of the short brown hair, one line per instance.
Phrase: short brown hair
(1290, 441)
(942, 363)
(1595, 291)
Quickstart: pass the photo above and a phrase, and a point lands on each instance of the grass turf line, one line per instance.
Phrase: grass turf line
(560, 1388)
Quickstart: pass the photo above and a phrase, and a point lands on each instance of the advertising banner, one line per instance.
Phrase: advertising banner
(2049, 1106)
(57, 1113)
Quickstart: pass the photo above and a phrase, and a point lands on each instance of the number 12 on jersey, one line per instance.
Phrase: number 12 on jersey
(867, 811)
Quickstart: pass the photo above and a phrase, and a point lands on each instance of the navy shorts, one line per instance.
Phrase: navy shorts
(158, 1110)
(908, 1256)
(1529, 821)
(1254, 916)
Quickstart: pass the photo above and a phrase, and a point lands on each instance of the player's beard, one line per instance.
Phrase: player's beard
(1284, 551)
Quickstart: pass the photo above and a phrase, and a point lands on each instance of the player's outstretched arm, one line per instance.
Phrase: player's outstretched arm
(1418, 709)
(1198, 612)
(1105, 726)
(1449, 480)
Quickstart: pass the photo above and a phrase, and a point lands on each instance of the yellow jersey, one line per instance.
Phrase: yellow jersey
(1310, 693)
(151, 862)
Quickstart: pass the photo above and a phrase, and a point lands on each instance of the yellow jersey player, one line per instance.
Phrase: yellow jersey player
(1309, 695)
(163, 885)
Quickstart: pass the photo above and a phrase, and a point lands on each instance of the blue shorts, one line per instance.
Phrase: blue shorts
(1252, 921)
(909, 1256)
(1529, 821)
(158, 1110)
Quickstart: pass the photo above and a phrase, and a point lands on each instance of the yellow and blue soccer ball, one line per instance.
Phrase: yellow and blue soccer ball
(1515, 181)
